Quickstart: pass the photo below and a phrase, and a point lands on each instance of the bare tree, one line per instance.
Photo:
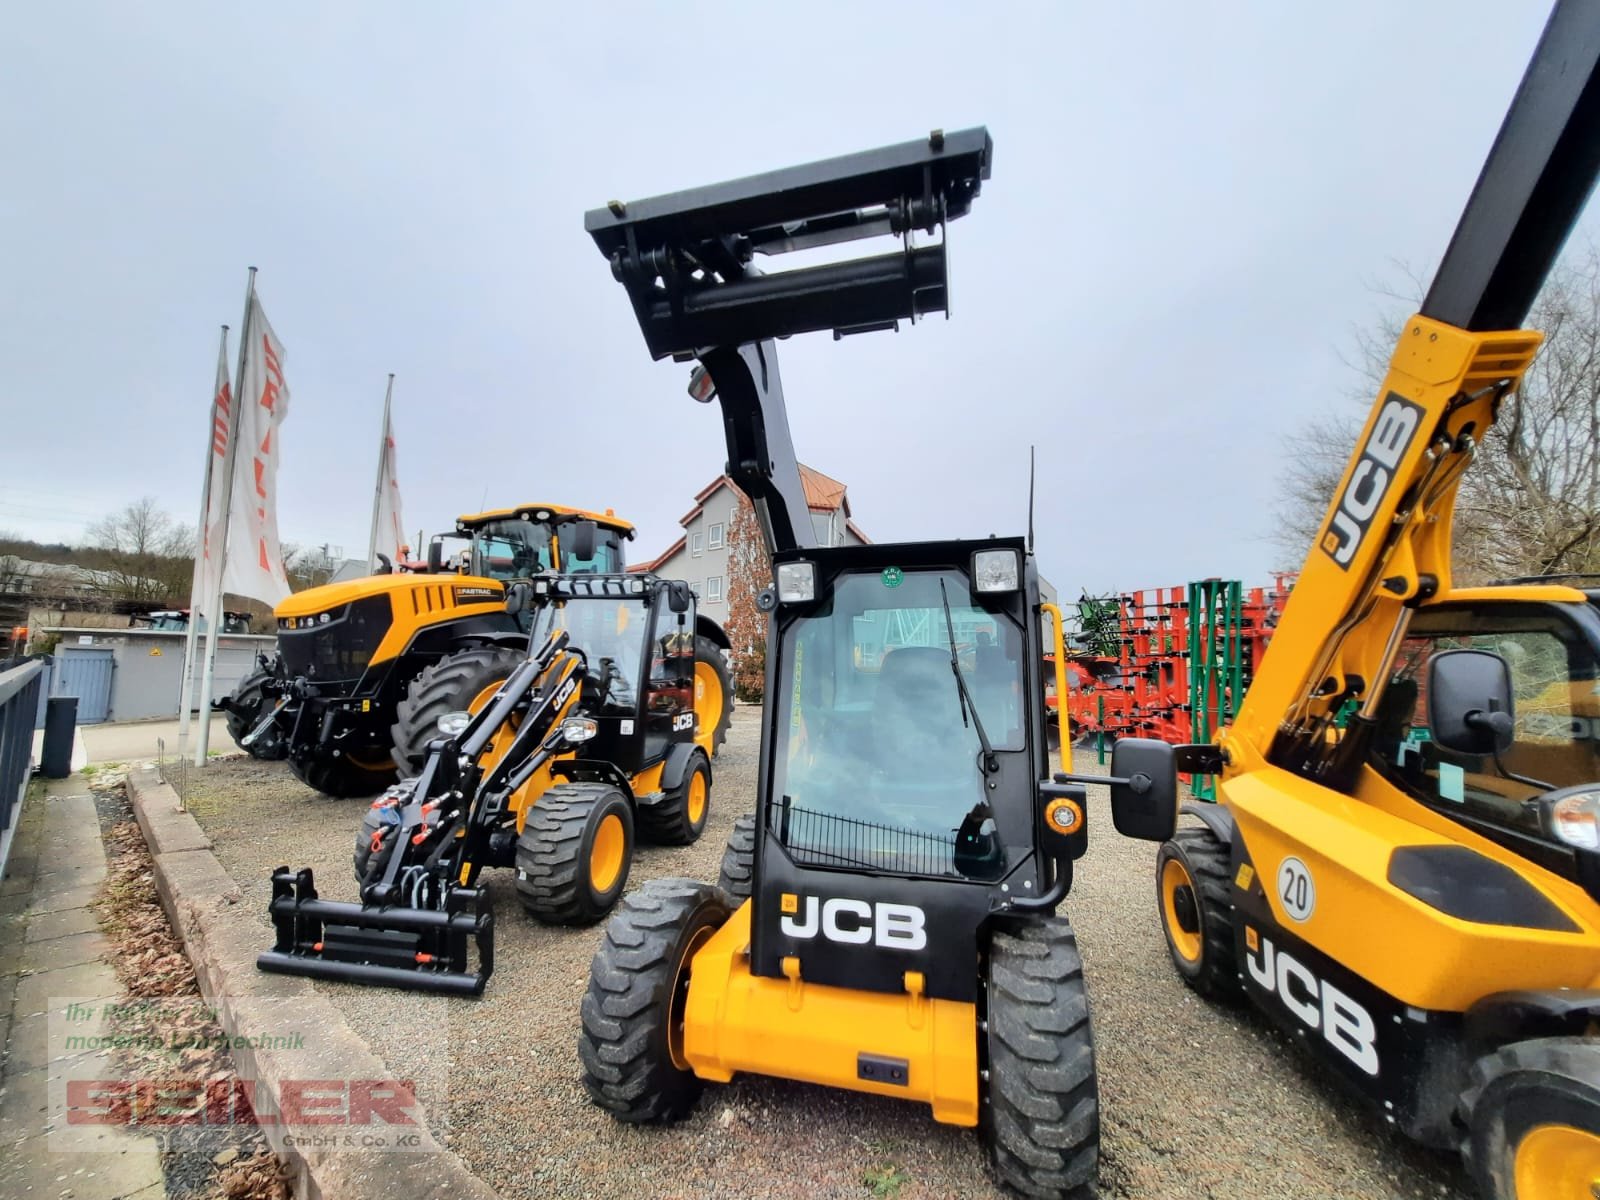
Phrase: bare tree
(307, 566)
(749, 571)
(145, 556)
(1530, 504)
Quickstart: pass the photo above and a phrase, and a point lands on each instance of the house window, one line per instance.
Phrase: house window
(695, 549)
(714, 589)
(715, 536)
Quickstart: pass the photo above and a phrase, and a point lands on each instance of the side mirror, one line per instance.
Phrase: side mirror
(1470, 706)
(580, 541)
(519, 596)
(1144, 789)
(435, 557)
(678, 596)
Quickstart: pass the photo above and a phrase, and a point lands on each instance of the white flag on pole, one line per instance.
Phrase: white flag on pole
(390, 528)
(209, 565)
(254, 565)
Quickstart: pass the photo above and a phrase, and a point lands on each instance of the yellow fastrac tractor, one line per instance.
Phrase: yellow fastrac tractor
(887, 918)
(588, 741)
(365, 668)
(1403, 868)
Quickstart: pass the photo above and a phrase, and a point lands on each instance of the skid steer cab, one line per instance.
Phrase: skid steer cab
(588, 741)
(884, 921)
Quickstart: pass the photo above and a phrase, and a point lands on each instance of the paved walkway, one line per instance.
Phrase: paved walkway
(51, 950)
(137, 741)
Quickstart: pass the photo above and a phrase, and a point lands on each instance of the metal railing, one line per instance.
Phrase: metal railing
(19, 703)
(826, 840)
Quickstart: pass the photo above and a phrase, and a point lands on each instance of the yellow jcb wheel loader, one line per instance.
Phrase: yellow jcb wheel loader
(1403, 866)
(365, 668)
(897, 930)
(586, 743)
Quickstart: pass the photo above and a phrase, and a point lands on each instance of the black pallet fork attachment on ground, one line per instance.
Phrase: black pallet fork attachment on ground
(386, 941)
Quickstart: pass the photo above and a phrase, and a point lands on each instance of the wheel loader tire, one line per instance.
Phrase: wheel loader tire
(1532, 1112)
(574, 853)
(246, 707)
(344, 777)
(361, 860)
(713, 695)
(737, 876)
(462, 682)
(680, 819)
(1041, 1119)
(631, 1043)
(1194, 898)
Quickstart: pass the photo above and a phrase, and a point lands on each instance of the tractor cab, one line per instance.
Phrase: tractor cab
(518, 543)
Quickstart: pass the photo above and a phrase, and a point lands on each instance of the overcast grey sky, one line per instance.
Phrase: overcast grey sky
(1188, 205)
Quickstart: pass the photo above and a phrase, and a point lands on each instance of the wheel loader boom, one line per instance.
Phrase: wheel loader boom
(1385, 543)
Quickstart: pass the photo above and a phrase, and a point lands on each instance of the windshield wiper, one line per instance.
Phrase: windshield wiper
(990, 763)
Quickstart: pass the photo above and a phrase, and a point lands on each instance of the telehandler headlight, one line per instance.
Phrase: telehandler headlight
(1573, 817)
(453, 724)
(996, 570)
(578, 729)
(797, 582)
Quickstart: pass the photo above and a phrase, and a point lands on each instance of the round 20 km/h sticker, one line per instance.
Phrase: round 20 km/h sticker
(1296, 889)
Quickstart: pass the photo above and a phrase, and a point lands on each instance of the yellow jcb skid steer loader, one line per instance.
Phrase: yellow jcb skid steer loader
(888, 921)
(1403, 868)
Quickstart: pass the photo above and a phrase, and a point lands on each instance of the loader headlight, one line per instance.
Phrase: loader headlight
(578, 729)
(1572, 815)
(996, 570)
(797, 582)
(453, 724)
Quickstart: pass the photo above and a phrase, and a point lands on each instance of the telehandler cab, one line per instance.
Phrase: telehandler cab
(1403, 867)
(885, 920)
(366, 667)
(588, 740)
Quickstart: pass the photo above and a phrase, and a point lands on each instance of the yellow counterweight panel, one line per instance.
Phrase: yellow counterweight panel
(1416, 953)
(788, 1028)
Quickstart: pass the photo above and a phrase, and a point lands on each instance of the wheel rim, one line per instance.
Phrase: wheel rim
(697, 797)
(1557, 1161)
(384, 763)
(707, 702)
(680, 997)
(607, 853)
(1180, 911)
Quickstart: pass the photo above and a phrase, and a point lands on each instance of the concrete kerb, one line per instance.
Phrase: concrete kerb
(200, 899)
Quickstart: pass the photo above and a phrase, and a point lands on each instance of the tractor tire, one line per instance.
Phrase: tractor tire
(737, 876)
(713, 695)
(462, 682)
(574, 853)
(1041, 1111)
(631, 1042)
(1195, 900)
(245, 708)
(343, 778)
(680, 819)
(1532, 1112)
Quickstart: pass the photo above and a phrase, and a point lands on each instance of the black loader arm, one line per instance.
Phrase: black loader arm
(687, 262)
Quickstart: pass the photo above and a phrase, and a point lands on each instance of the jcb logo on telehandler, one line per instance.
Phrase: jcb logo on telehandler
(1369, 482)
(855, 922)
(1317, 1004)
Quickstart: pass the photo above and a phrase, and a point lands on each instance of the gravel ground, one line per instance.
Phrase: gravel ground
(1197, 1101)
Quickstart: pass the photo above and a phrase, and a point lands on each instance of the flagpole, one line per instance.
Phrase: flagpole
(186, 691)
(377, 489)
(229, 460)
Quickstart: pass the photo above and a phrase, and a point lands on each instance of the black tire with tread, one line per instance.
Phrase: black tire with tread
(339, 777)
(668, 823)
(1540, 1081)
(707, 651)
(625, 1041)
(1206, 859)
(246, 705)
(448, 685)
(554, 848)
(737, 875)
(1041, 1119)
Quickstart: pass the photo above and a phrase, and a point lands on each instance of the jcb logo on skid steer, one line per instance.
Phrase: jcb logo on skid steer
(1347, 1026)
(855, 922)
(1369, 482)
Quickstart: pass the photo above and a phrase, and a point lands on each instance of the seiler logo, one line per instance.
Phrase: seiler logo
(1369, 482)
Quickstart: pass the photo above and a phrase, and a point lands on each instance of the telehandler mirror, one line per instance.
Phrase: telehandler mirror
(1470, 706)
(1144, 789)
(436, 557)
(678, 596)
(519, 596)
(580, 540)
